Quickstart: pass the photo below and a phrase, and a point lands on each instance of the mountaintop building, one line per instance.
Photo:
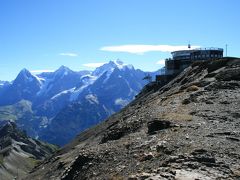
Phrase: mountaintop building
(184, 58)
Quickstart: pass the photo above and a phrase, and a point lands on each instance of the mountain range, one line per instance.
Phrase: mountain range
(69, 99)
(186, 129)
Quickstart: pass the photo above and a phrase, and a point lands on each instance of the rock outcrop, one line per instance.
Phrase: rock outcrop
(188, 129)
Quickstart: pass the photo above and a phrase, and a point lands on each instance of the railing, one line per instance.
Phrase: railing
(209, 48)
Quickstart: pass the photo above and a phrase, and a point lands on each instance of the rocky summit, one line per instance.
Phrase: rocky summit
(187, 129)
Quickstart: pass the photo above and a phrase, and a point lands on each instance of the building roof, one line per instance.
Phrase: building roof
(199, 49)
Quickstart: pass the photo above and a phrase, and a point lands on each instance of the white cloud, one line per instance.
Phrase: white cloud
(68, 54)
(41, 71)
(141, 48)
(161, 62)
(93, 65)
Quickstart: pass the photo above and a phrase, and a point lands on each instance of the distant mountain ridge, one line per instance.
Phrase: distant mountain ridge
(18, 152)
(104, 91)
(114, 89)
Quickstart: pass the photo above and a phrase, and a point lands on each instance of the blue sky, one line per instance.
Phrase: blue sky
(45, 34)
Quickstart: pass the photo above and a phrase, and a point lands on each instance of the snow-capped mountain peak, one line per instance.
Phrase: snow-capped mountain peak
(118, 61)
(110, 66)
(105, 67)
(25, 76)
(92, 95)
(25, 73)
(63, 70)
(122, 66)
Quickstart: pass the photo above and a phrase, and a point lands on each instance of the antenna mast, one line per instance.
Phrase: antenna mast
(226, 49)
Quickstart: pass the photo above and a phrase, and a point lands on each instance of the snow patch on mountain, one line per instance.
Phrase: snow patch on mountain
(120, 65)
(74, 95)
(92, 99)
(87, 80)
(63, 93)
(3, 83)
(44, 88)
(108, 111)
(121, 102)
(108, 74)
(40, 80)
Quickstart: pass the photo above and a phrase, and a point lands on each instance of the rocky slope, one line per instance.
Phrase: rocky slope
(188, 129)
(19, 153)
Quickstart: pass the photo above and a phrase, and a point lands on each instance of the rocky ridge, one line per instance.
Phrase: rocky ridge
(188, 129)
(19, 153)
